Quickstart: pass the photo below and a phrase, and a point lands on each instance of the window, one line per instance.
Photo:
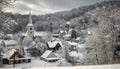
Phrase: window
(10, 62)
(30, 28)
(30, 32)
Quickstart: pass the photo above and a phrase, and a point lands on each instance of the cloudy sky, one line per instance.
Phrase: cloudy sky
(48, 6)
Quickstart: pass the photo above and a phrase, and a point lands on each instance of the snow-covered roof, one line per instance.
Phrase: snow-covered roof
(67, 36)
(10, 42)
(46, 53)
(68, 22)
(24, 34)
(72, 43)
(30, 24)
(52, 44)
(63, 31)
(89, 32)
(78, 38)
(55, 34)
(42, 34)
(49, 55)
(70, 29)
(8, 54)
(73, 54)
(10, 35)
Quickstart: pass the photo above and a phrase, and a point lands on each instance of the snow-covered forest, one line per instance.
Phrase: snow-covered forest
(87, 35)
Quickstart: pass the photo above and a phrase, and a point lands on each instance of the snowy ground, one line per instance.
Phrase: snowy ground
(112, 66)
(34, 63)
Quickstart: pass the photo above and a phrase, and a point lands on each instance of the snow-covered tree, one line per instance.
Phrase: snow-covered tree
(103, 40)
(27, 41)
(63, 62)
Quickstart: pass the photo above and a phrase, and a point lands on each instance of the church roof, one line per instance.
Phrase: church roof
(30, 20)
(30, 25)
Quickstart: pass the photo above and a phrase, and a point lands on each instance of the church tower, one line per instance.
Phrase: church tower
(30, 28)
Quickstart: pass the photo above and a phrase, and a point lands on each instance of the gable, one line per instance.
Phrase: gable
(58, 45)
(16, 55)
(51, 55)
(54, 44)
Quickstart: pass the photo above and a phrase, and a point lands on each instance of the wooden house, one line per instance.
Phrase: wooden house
(13, 56)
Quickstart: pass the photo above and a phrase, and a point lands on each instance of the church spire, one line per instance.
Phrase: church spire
(30, 18)
(30, 28)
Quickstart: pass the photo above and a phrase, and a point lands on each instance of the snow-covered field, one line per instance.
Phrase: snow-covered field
(111, 66)
(34, 63)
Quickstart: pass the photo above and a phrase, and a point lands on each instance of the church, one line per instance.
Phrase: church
(31, 34)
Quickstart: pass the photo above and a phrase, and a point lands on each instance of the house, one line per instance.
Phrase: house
(54, 45)
(10, 43)
(49, 56)
(13, 56)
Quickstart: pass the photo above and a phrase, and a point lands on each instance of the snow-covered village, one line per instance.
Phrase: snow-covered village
(85, 35)
(42, 48)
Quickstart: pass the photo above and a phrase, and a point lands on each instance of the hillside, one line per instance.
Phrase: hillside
(77, 17)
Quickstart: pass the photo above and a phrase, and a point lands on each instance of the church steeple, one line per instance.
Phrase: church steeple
(30, 19)
(30, 28)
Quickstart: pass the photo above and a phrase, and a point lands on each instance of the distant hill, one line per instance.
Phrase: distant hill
(78, 18)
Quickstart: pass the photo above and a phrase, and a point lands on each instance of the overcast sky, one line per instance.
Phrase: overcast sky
(48, 6)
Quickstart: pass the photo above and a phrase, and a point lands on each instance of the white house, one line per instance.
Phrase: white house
(10, 43)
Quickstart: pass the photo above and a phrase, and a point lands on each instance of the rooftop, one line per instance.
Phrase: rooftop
(52, 44)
